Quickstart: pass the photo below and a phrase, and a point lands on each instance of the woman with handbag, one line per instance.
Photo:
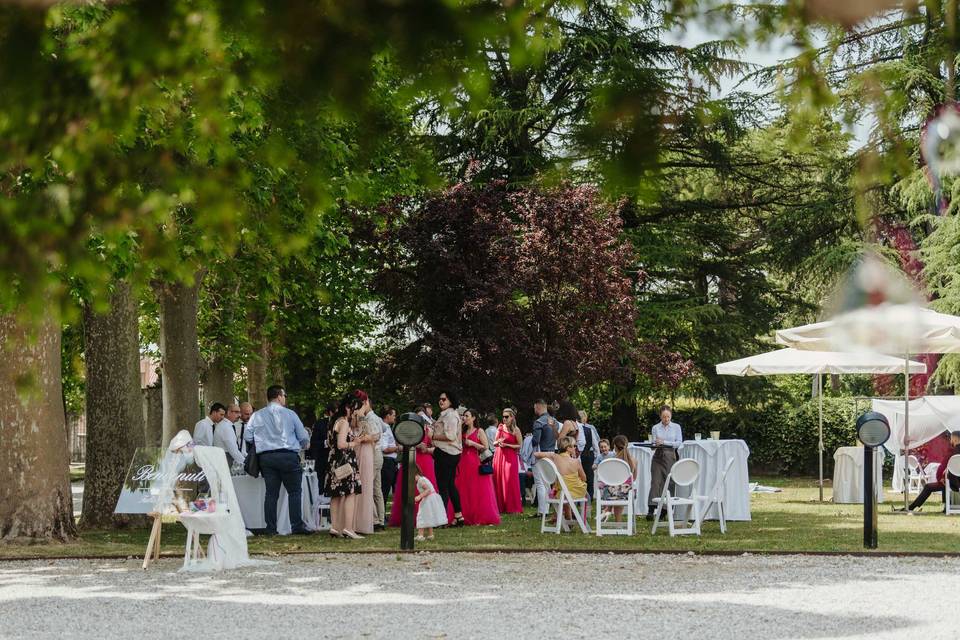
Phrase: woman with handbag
(475, 476)
(506, 464)
(343, 479)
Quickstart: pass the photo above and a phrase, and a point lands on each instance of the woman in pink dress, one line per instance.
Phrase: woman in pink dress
(478, 502)
(506, 464)
(425, 462)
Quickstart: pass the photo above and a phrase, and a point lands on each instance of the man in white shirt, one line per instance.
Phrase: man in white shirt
(203, 430)
(246, 412)
(374, 427)
(389, 449)
(225, 436)
(667, 439)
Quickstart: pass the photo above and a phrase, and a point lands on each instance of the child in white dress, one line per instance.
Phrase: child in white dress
(432, 512)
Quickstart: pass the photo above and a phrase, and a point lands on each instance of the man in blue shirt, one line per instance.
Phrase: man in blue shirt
(279, 436)
(544, 439)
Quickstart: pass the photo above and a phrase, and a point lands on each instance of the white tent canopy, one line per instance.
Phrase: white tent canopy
(929, 417)
(786, 361)
(794, 361)
(896, 329)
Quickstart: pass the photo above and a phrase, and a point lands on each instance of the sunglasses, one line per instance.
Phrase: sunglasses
(507, 416)
(444, 400)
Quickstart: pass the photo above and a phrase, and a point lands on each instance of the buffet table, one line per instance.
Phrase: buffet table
(251, 492)
(712, 456)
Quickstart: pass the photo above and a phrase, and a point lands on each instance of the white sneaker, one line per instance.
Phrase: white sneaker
(419, 538)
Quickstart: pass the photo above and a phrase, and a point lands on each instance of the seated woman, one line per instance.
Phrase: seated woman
(938, 485)
(569, 467)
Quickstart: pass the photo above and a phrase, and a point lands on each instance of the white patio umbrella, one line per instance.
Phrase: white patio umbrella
(898, 329)
(795, 361)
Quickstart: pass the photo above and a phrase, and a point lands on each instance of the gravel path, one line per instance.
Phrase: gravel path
(490, 596)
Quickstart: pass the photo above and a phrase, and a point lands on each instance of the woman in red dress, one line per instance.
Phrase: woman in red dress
(506, 464)
(425, 462)
(478, 502)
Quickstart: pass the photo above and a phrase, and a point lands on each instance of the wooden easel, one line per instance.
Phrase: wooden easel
(153, 544)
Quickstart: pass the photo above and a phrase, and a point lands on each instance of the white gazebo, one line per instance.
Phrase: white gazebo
(897, 329)
(795, 361)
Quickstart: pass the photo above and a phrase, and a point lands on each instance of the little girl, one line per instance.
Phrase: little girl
(432, 512)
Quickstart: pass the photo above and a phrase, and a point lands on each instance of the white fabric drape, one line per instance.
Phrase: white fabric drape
(787, 361)
(929, 417)
(227, 548)
(848, 475)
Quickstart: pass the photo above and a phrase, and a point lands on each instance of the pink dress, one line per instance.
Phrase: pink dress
(425, 462)
(506, 471)
(477, 499)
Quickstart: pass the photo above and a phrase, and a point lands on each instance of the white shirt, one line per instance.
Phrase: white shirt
(239, 427)
(386, 441)
(425, 417)
(225, 437)
(581, 437)
(203, 432)
(596, 439)
(670, 434)
(373, 426)
(449, 424)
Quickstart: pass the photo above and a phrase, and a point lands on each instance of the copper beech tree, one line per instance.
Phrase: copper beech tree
(507, 293)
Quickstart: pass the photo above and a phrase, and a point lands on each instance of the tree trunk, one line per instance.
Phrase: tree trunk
(114, 405)
(218, 384)
(624, 419)
(152, 416)
(35, 498)
(180, 356)
(257, 370)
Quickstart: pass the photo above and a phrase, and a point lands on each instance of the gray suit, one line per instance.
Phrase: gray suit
(544, 439)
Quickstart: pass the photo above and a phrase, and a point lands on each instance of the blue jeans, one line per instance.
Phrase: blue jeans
(281, 467)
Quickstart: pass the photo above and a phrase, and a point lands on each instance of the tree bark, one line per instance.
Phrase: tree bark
(218, 383)
(180, 356)
(113, 403)
(152, 398)
(623, 418)
(35, 498)
(257, 370)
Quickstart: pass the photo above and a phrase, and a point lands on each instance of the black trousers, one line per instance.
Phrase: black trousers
(928, 490)
(586, 461)
(388, 475)
(446, 467)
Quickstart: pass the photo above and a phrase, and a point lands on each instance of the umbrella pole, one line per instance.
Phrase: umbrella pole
(906, 429)
(820, 398)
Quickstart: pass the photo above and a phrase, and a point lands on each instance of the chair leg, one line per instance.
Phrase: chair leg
(187, 552)
(656, 517)
(672, 528)
(723, 517)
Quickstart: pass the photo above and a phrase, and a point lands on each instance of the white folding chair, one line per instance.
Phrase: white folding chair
(915, 479)
(614, 472)
(551, 476)
(684, 473)
(951, 502)
(716, 497)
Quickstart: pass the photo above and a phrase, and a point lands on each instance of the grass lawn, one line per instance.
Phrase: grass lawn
(791, 521)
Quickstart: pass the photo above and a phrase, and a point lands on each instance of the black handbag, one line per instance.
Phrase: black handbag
(252, 464)
(486, 467)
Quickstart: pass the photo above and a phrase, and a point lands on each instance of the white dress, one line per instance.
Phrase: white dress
(432, 513)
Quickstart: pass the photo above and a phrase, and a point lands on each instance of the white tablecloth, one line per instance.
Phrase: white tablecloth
(712, 456)
(644, 458)
(848, 475)
(252, 491)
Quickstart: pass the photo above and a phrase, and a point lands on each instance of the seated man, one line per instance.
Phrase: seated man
(938, 484)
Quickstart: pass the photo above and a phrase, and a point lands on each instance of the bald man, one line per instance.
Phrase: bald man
(246, 410)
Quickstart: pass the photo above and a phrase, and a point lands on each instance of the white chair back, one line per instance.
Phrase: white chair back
(613, 472)
(913, 463)
(548, 470)
(684, 472)
(953, 466)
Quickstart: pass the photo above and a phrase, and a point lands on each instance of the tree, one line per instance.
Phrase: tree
(509, 293)
(115, 419)
(35, 497)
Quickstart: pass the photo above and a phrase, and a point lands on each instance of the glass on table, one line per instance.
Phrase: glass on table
(696, 436)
